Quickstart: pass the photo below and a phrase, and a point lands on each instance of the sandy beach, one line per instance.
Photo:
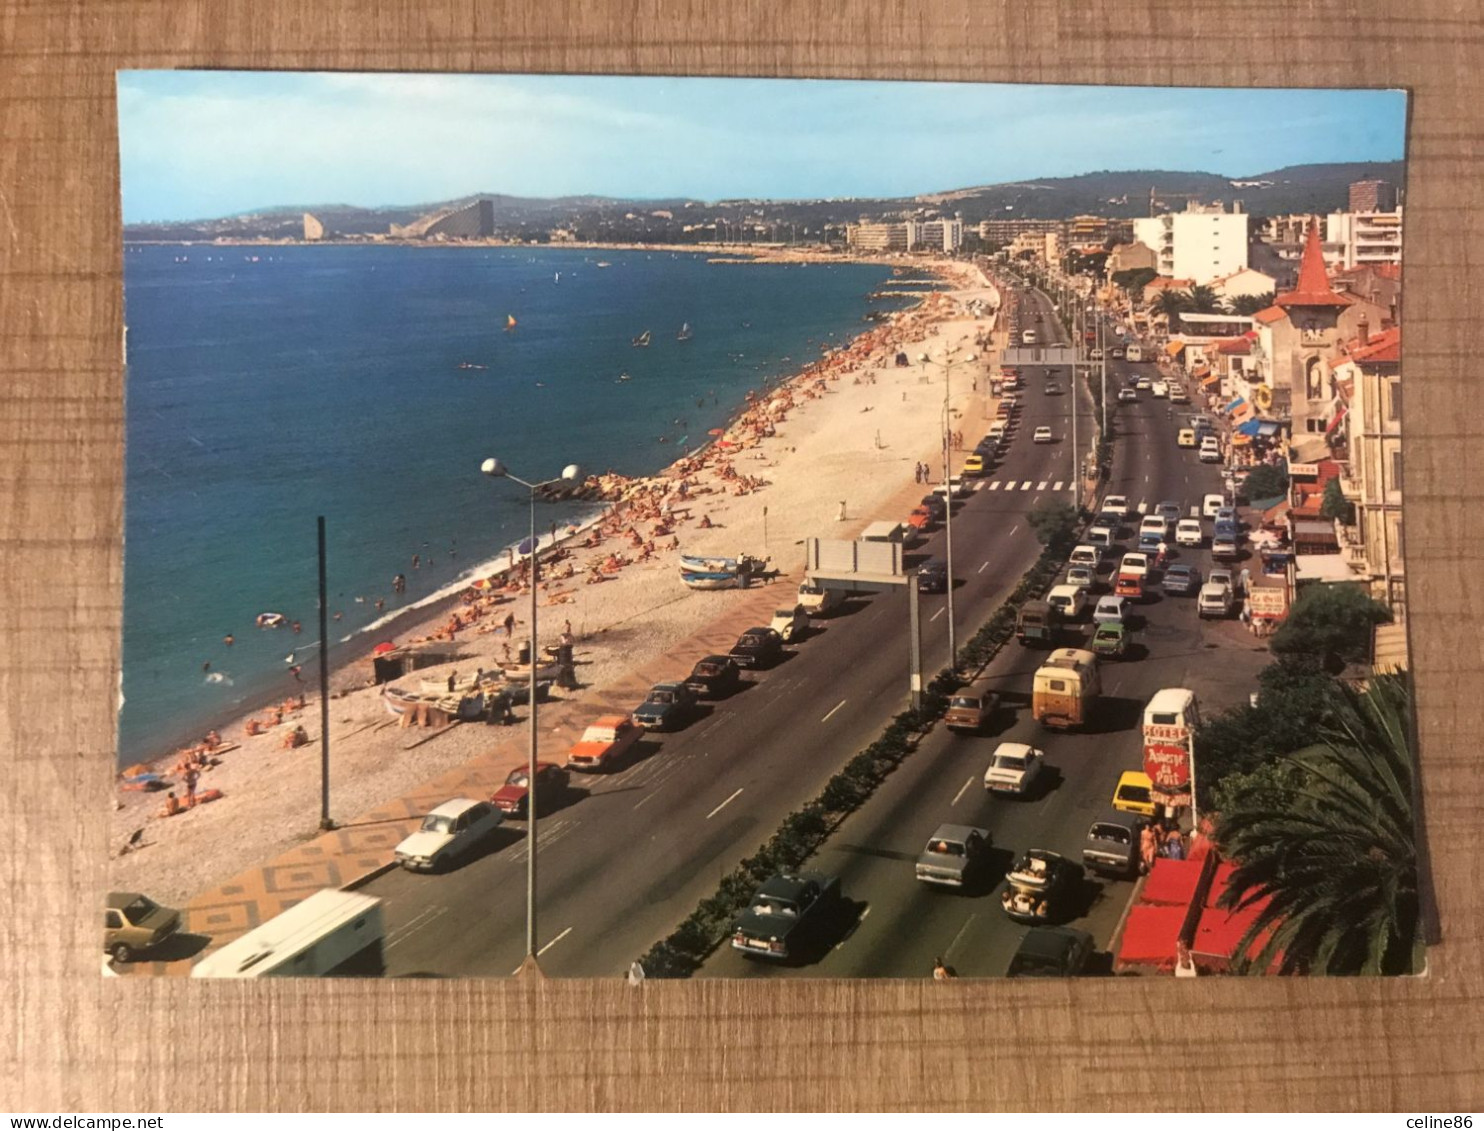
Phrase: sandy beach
(845, 433)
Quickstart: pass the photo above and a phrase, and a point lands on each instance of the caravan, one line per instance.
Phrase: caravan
(329, 933)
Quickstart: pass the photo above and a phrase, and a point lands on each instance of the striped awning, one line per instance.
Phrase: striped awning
(1237, 402)
(1211, 380)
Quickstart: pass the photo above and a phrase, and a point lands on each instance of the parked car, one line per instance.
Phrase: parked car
(1215, 600)
(1189, 532)
(1040, 887)
(1181, 578)
(1127, 395)
(785, 915)
(758, 647)
(956, 487)
(513, 799)
(1134, 793)
(932, 576)
(970, 710)
(1051, 952)
(714, 676)
(954, 856)
(1116, 504)
(605, 743)
(1110, 640)
(973, 464)
(791, 625)
(133, 924)
(1042, 435)
(1112, 845)
(817, 600)
(668, 705)
(452, 830)
(934, 503)
(1015, 767)
(1111, 609)
(920, 519)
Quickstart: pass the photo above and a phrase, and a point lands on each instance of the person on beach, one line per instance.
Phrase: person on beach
(171, 806)
(416, 560)
(191, 777)
(297, 671)
(509, 623)
(212, 740)
(296, 627)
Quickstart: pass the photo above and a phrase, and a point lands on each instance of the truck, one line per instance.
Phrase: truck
(1037, 623)
(330, 933)
(971, 710)
(1065, 688)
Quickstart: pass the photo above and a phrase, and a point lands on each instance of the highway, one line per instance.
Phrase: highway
(635, 851)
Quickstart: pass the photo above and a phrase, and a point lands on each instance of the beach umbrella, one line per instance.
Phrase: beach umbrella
(525, 547)
(383, 648)
(716, 432)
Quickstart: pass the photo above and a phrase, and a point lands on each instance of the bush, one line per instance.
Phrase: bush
(1335, 506)
(1055, 522)
(1331, 624)
(1265, 482)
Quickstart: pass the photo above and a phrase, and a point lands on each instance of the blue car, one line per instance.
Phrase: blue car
(1149, 542)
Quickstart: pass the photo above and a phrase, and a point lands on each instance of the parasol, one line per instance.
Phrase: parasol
(383, 648)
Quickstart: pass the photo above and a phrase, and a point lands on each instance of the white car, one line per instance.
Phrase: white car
(791, 624)
(957, 487)
(1095, 355)
(456, 828)
(1116, 504)
(1110, 610)
(1069, 600)
(1159, 388)
(1178, 395)
(1211, 505)
(1210, 450)
(1215, 600)
(1126, 395)
(1154, 524)
(1189, 532)
(1042, 435)
(1084, 577)
(1014, 768)
(1134, 563)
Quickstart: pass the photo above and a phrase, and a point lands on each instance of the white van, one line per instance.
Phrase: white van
(1134, 353)
(1173, 710)
(1211, 504)
(1068, 600)
(887, 532)
(330, 932)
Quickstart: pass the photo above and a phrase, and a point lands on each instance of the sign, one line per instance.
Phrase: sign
(1168, 766)
(1270, 601)
(1159, 732)
(1304, 470)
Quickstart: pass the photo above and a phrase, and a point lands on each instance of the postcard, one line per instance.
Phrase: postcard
(617, 527)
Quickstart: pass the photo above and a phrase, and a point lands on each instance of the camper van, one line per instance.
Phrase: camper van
(330, 933)
(1065, 688)
(887, 532)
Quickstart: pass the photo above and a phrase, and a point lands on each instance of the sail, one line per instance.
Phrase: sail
(510, 322)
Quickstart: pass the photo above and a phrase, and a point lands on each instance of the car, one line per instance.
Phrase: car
(1094, 354)
(1169, 510)
(1134, 793)
(1051, 952)
(1182, 579)
(973, 464)
(1014, 767)
(970, 710)
(1127, 395)
(667, 706)
(1134, 563)
(956, 488)
(757, 648)
(1118, 353)
(920, 519)
(932, 576)
(605, 743)
(1227, 514)
(1042, 435)
(1178, 395)
(1027, 337)
(1212, 505)
(954, 856)
(1154, 523)
(1103, 532)
(785, 915)
(1052, 389)
(817, 600)
(1226, 577)
(1083, 577)
(513, 799)
(1210, 450)
(1215, 600)
(133, 924)
(1225, 547)
(1185, 438)
(1150, 542)
(1040, 887)
(1189, 532)
(452, 830)
(1160, 389)
(935, 504)
(1011, 400)
(1110, 640)
(1069, 601)
(1143, 383)
(1111, 610)
(996, 435)
(1112, 845)
(1116, 504)
(792, 625)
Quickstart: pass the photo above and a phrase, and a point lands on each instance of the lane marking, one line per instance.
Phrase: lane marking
(938, 614)
(1146, 479)
(961, 792)
(833, 709)
(723, 805)
(959, 935)
(1013, 529)
(417, 923)
(1058, 485)
(982, 568)
(1143, 507)
(995, 486)
(1041, 486)
(1026, 486)
(553, 942)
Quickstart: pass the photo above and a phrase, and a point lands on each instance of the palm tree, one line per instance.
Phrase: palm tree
(1170, 303)
(1201, 300)
(1337, 866)
(1251, 304)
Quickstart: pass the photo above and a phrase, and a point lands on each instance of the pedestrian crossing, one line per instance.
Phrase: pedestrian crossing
(1023, 485)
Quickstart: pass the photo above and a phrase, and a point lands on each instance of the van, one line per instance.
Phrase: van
(1185, 438)
(887, 531)
(329, 933)
(1134, 353)
(1211, 504)
(1037, 623)
(1065, 688)
(1070, 601)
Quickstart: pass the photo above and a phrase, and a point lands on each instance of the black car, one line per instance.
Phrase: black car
(1040, 887)
(757, 648)
(668, 706)
(936, 506)
(713, 677)
(785, 915)
(1183, 579)
(932, 576)
(1051, 952)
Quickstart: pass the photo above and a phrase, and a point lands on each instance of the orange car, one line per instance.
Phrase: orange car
(604, 744)
(920, 519)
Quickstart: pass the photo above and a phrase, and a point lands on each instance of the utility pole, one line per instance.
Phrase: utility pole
(324, 689)
(1076, 452)
(914, 640)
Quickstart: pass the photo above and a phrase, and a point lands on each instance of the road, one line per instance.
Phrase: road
(895, 927)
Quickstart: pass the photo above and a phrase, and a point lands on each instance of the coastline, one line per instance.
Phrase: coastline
(636, 616)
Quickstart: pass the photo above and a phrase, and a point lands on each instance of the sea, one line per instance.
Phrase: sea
(268, 386)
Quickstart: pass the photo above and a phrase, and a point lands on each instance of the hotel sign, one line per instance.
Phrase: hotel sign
(1156, 732)
(1168, 766)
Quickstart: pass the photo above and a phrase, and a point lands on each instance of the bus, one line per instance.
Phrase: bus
(330, 933)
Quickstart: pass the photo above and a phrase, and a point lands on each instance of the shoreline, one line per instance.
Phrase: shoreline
(637, 618)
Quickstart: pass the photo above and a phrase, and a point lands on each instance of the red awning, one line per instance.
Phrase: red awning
(1149, 936)
(1172, 882)
(1220, 931)
(1335, 423)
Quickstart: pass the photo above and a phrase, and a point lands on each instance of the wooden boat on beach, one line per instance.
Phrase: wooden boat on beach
(694, 580)
(698, 563)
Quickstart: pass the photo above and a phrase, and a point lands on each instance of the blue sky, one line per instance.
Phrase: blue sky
(198, 144)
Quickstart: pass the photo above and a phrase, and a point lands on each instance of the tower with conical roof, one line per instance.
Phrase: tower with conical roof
(1313, 310)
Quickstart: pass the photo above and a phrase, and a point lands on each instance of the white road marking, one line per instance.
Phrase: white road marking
(553, 942)
(961, 792)
(833, 709)
(1146, 479)
(982, 568)
(1058, 485)
(421, 920)
(1143, 507)
(1026, 486)
(1013, 529)
(1041, 486)
(723, 805)
(936, 615)
(995, 486)
(959, 935)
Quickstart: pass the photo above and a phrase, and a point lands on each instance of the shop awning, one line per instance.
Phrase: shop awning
(1150, 935)
(1171, 882)
(1174, 348)
(1250, 428)
(1207, 382)
(1220, 932)
(1237, 402)
(1389, 649)
(1335, 422)
(1268, 428)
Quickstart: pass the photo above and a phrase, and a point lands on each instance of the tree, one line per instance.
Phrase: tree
(1055, 522)
(1334, 505)
(1201, 300)
(1332, 865)
(1331, 624)
(1251, 304)
(1265, 482)
(1134, 281)
(1171, 303)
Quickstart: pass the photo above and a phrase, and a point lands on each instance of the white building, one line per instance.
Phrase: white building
(1248, 282)
(1202, 243)
(907, 235)
(1365, 237)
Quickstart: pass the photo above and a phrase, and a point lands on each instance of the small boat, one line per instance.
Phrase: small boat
(509, 323)
(471, 365)
(642, 339)
(685, 333)
(621, 378)
(558, 277)
(698, 580)
(743, 565)
(604, 263)
(270, 620)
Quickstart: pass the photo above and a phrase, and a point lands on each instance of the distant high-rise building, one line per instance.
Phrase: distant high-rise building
(907, 235)
(1372, 196)
(313, 229)
(1202, 243)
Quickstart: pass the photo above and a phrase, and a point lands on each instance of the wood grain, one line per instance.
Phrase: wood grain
(74, 1042)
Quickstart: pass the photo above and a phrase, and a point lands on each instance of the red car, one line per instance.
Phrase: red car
(920, 518)
(514, 797)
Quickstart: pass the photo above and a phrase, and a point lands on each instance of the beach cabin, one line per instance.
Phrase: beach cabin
(1065, 689)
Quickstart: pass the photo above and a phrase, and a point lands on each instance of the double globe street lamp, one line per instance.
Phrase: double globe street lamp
(495, 469)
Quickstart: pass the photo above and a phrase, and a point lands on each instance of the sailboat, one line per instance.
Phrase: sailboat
(509, 323)
(641, 340)
(685, 333)
(558, 278)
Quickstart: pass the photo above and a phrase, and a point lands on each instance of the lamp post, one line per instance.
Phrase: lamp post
(948, 363)
(495, 469)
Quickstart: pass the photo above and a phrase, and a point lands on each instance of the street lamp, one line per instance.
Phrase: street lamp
(495, 469)
(948, 363)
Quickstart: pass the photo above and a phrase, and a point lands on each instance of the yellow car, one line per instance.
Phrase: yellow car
(1135, 793)
(974, 464)
(1186, 438)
